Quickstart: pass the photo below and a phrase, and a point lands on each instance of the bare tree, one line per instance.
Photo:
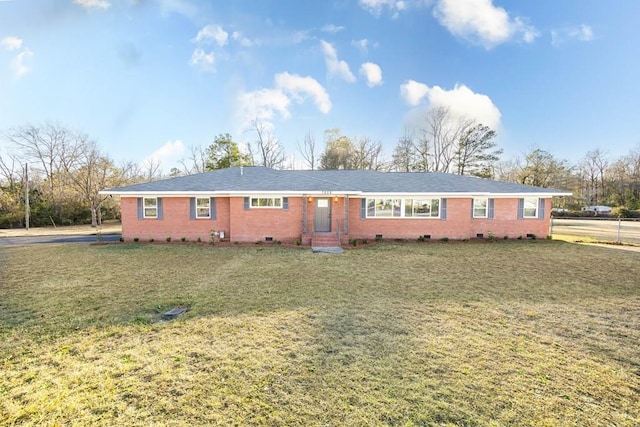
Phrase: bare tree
(593, 167)
(308, 151)
(47, 146)
(195, 162)
(404, 154)
(269, 151)
(365, 154)
(151, 169)
(90, 171)
(436, 146)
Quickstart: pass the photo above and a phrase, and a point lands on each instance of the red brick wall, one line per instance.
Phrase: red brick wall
(255, 224)
(175, 222)
(286, 225)
(458, 225)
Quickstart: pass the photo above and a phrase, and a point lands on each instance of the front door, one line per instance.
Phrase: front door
(322, 219)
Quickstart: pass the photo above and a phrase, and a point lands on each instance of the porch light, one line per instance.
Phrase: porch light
(309, 199)
(335, 199)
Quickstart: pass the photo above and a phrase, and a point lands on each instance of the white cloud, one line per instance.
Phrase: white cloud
(362, 45)
(11, 43)
(298, 87)
(375, 7)
(99, 4)
(212, 33)
(336, 67)
(245, 42)
(413, 92)
(203, 60)
(583, 33)
(480, 22)
(461, 101)
(331, 28)
(372, 72)
(19, 63)
(264, 104)
(167, 154)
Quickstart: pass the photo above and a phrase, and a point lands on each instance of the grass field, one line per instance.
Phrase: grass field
(539, 333)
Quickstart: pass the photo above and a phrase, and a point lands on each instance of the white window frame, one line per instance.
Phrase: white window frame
(398, 205)
(145, 207)
(477, 208)
(530, 200)
(274, 201)
(208, 207)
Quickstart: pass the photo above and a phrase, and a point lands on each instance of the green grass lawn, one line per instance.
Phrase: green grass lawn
(481, 334)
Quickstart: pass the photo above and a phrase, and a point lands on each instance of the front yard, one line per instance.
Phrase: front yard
(505, 333)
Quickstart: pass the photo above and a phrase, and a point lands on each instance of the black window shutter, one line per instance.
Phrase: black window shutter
(541, 208)
(363, 208)
(159, 200)
(285, 203)
(246, 203)
(212, 207)
(192, 208)
(443, 208)
(491, 208)
(472, 212)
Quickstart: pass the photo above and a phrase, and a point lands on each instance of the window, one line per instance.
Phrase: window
(150, 207)
(530, 207)
(480, 208)
(266, 202)
(403, 208)
(203, 207)
(425, 208)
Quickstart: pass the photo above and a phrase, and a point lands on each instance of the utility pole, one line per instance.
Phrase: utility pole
(26, 196)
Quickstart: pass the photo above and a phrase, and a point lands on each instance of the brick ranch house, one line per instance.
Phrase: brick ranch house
(327, 207)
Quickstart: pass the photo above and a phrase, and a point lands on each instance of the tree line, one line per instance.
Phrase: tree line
(62, 170)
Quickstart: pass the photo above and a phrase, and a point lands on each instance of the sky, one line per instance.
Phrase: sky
(152, 78)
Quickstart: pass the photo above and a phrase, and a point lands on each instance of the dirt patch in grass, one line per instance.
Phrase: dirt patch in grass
(515, 333)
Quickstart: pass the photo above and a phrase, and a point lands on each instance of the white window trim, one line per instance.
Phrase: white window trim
(208, 208)
(524, 207)
(251, 199)
(402, 207)
(486, 207)
(145, 207)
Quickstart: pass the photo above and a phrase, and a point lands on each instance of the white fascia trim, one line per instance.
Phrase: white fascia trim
(459, 195)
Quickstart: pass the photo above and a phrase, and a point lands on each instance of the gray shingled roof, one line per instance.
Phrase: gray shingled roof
(256, 179)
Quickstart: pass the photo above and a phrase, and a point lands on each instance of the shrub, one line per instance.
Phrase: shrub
(168, 239)
(620, 212)
(151, 240)
(444, 239)
(298, 242)
(505, 238)
(198, 240)
(519, 237)
(183, 239)
(365, 241)
(420, 238)
(353, 242)
(135, 239)
(259, 242)
(491, 236)
(121, 239)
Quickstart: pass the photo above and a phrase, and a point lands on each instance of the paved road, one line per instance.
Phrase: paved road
(605, 230)
(31, 240)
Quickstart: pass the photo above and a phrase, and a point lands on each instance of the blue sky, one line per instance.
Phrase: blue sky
(151, 78)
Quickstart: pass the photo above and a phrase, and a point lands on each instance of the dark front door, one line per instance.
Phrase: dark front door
(322, 220)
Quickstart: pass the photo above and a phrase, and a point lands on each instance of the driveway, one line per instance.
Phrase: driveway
(33, 240)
